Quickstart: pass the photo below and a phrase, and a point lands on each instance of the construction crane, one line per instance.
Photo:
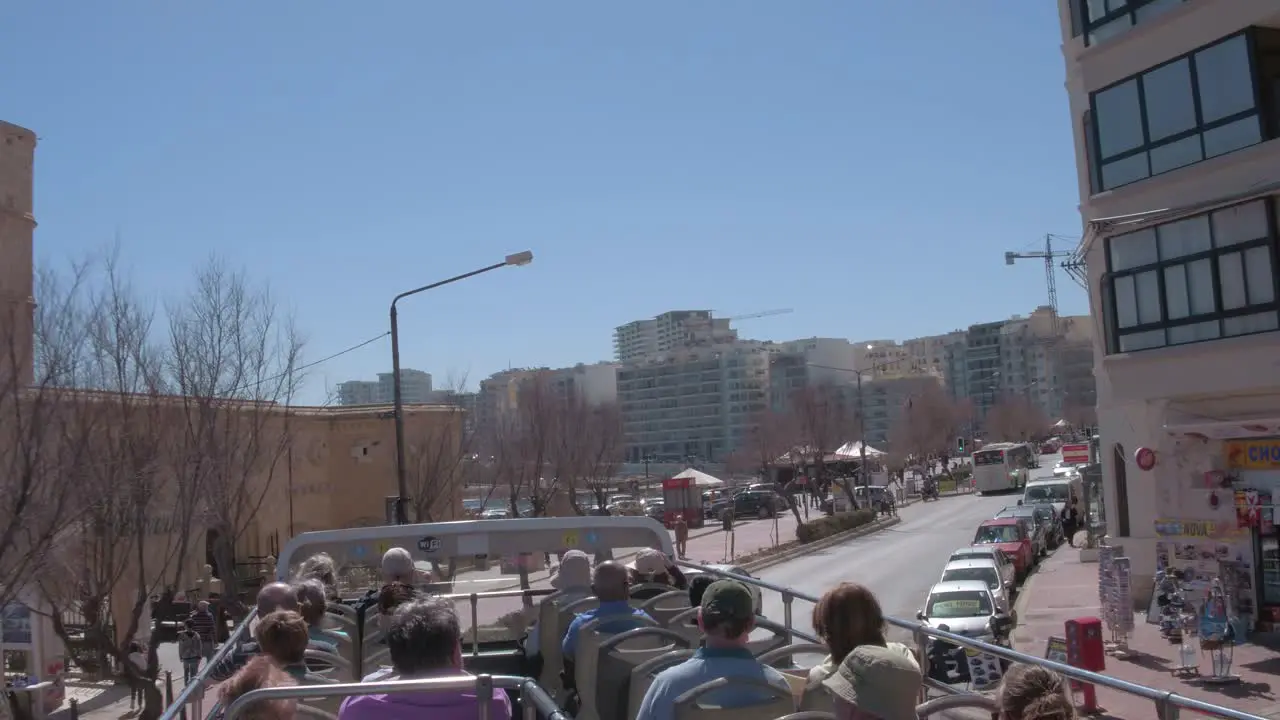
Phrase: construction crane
(764, 313)
(1048, 255)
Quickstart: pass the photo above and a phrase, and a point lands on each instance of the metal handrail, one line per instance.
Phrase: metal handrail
(1167, 702)
(535, 699)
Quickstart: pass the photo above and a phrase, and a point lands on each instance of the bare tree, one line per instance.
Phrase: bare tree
(1015, 419)
(772, 436)
(234, 361)
(521, 443)
(925, 426)
(601, 455)
(821, 422)
(438, 458)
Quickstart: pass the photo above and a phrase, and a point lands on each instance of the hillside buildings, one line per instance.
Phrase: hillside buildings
(1175, 120)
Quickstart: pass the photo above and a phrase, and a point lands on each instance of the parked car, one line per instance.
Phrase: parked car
(655, 509)
(1013, 539)
(1036, 526)
(1008, 573)
(965, 607)
(758, 503)
(1048, 514)
(986, 570)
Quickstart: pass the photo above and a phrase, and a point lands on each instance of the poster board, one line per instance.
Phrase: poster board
(1055, 649)
(985, 671)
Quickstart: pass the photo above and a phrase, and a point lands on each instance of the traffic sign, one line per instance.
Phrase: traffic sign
(1075, 454)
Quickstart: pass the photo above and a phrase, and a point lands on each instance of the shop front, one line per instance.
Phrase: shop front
(1253, 473)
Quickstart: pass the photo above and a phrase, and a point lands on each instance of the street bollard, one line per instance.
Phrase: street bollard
(74, 709)
(168, 687)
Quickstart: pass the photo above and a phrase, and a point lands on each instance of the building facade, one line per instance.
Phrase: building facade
(415, 388)
(693, 404)
(1175, 123)
(17, 235)
(670, 330)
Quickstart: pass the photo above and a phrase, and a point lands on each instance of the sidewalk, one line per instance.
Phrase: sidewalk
(1064, 588)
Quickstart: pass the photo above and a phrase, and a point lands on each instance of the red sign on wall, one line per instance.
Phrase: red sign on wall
(1075, 453)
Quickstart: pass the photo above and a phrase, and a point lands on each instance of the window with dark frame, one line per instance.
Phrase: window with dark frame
(1102, 20)
(1189, 109)
(1203, 277)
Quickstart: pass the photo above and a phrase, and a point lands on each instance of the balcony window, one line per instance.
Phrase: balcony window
(1101, 20)
(1189, 109)
(1200, 278)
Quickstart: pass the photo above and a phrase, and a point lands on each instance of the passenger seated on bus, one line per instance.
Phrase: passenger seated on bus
(697, 588)
(397, 566)
(846, 617)
(425, 640)
(651, 566)
(573, 581)
(257, 674)
(875, 682)
(727, 615)
(272, 597)
(312, 605)
(320, 567)
(609, 583)
(1030, 692)
(282, 636)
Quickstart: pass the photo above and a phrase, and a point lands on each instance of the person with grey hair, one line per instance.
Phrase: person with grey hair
(425, 640)
(397, 566)
(272, 597)
(320, 567)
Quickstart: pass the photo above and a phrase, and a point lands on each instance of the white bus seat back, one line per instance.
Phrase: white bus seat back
(778, 701)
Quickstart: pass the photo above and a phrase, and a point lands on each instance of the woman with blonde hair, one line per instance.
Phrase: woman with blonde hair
(846, 617)
(1030, 692)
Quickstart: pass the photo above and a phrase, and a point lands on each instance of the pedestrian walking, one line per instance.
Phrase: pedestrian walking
(204, 624)
(1070, 523)
(137, 677)
(189, 651)
(682, 536)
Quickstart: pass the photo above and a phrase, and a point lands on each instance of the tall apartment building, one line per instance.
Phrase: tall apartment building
(797, 364)
(693, 404)
(1176, 122)
(982, 366)
(596, 384)
(415, 387)
(17, 237)
(929, 354)
(668, 331)
(1047, 363)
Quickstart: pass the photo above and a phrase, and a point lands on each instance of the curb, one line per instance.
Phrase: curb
(822, 544)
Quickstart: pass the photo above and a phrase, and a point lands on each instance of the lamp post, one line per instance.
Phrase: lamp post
(402, 485)
(862, 418)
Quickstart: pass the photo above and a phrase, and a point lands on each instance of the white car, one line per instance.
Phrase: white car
(985, 570)
(1008, 573)
(965, 607)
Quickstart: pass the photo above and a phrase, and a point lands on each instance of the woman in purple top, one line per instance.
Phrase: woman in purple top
(425, 641)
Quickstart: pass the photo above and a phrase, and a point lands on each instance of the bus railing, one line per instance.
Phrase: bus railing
(533, 699)
(1168, 704)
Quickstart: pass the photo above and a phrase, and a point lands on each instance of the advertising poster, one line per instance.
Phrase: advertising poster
(16, 624)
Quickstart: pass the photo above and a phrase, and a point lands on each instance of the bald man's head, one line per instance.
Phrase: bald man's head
(276, 596)
(609, 581)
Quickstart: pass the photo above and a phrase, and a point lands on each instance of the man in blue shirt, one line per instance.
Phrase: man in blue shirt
(726, 616)
(610, 583)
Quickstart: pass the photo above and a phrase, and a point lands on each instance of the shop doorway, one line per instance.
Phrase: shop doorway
(1122, 493)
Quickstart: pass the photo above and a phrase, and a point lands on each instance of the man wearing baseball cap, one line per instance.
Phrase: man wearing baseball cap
(876, 683)
(726, 616)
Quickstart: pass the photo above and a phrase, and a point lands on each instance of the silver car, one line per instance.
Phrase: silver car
(966, 607)
(1008, 573)
(984, 569)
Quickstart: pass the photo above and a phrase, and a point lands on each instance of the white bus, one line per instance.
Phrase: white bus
(999, 467)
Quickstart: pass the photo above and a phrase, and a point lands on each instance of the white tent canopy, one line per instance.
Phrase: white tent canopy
(854, 449)
(700, 479)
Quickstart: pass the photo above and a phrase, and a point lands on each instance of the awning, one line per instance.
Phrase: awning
(1187, 423)
(854, 450)
(700, 479)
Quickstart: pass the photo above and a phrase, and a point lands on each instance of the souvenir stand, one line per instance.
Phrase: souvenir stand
(1217, 636)
(1114, 598)
(34, 657)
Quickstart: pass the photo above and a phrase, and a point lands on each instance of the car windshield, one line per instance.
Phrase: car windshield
(1058, 492)
(959, 604)
(996, 534)
(987, 575)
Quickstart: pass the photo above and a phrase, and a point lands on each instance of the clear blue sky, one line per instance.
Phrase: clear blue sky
(866, 164)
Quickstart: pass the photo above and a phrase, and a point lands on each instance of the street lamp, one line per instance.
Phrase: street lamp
(862, 419)
(402, 487)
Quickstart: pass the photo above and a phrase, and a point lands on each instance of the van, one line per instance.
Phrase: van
(1059, 490)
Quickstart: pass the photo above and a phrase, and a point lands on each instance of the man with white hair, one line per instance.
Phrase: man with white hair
(397, 566)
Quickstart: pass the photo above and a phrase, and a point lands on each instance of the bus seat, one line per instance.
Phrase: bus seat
(642, 677)
(651, 590)
(314, 713)
(776, 640)
(618, 655)
(666, 605)
(685, 622)
(324, 704)
(550, 634)
(332, 666)
(589, 640)
(816, 699)
(780, 701)
(342, 610)
(809, 715)
(376, 659)
(947, 703)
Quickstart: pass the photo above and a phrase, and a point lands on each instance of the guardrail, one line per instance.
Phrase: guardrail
(533, 698)
(1168, 704)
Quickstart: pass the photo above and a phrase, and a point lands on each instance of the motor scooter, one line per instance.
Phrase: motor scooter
(929, 491)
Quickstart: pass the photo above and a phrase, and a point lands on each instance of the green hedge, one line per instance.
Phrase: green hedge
(962, 473)
(827, 526)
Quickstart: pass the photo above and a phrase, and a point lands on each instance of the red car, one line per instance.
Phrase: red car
(1011, 536)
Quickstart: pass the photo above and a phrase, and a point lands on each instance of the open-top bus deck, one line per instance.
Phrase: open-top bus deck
(495, 620)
